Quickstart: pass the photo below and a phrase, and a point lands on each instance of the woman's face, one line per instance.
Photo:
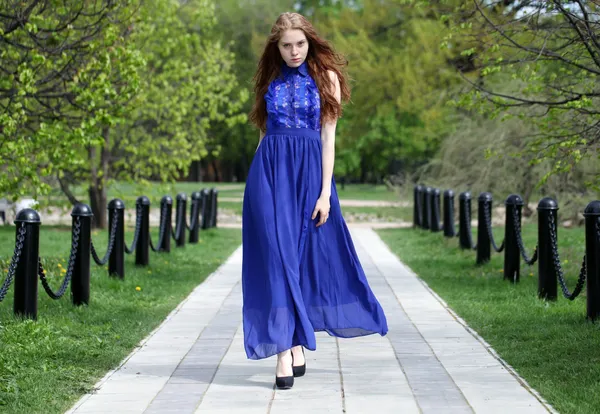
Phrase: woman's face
(293, 47)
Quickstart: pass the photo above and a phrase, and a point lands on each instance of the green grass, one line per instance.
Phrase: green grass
(46, 365)
(385, 213)
(366, 192)
(550, 344)
(129, 192)
(234, 207)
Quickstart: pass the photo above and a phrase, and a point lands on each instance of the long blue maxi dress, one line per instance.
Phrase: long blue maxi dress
(297, 278)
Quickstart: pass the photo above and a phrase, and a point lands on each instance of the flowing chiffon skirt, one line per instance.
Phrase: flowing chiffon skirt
(297, 278)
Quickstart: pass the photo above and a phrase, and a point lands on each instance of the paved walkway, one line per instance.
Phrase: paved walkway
(428, 363)
(344, 202)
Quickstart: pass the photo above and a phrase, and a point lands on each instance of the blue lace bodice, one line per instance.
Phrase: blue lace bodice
(293, 100)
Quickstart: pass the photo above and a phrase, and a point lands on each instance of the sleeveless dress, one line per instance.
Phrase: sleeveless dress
(297, 278)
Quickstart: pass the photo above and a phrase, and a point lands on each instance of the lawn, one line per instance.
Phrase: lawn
(129, 192)
(46, 365)
(550, 344)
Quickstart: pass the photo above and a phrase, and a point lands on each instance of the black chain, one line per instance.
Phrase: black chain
(138, 225)
(488, 223)
(194, 221)
(436, 208)
(419, 213)
(558, 268)
(111, 242)
(161, 231)
(175, 233)
(12, 268)
(69, 275)
(469, 232)
(519, 236)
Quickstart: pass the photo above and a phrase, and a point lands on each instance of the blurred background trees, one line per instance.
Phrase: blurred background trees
(479, 95)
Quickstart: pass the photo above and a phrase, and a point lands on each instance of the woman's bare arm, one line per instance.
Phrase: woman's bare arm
(260, 137)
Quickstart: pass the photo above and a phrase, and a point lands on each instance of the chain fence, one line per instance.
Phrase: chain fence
(12, 268)
(558, 268)
(138, 226)
(194, 221)
(42, 273)
(111, 243)
(517, 224)
(488, 224)
(161, 231)
(469, 231)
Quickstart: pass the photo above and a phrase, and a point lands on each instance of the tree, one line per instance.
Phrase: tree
(538, 60)
(140, 104)
(65, 73)
(398, 114)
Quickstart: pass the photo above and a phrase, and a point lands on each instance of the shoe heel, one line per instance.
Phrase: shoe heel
(299, 371)
(284, 383)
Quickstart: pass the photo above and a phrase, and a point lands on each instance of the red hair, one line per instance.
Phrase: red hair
(321, 58)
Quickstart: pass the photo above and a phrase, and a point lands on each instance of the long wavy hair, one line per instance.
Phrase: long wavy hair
(321, 58)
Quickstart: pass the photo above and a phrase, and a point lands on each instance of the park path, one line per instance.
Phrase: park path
(429, 362)
(344, 202)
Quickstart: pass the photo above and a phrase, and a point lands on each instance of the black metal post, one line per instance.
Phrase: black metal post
(166, 210)
(116, 261)
(512, 255)
(180, 215)
(214, 207)
(205, 208)
(592, 252)
(195, 217)
(142, 250)
(464, 220)
(417, 205)
(427, 208)
(484, 245)
(435, 225)
(80, 281)
(547, 280)
(449, 213)
(26, 274)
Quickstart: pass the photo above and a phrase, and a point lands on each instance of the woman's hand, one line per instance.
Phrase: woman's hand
(322, 209)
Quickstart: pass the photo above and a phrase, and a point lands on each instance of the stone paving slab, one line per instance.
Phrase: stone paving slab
(429, 362)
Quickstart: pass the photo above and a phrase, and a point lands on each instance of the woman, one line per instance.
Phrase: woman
(300, 272)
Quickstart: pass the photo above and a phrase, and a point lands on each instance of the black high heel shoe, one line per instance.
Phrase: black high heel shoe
(301, 369)
(284, 383)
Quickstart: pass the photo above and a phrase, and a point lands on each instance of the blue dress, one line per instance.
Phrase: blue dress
(297, 278)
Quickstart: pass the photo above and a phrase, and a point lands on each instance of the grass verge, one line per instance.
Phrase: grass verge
(381, 213)
(550, 344)
(45, 366)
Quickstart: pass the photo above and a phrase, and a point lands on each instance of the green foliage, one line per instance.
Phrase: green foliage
(399, 73)
(66, 71)
(188, 87)
(538, 63)
(130, 90)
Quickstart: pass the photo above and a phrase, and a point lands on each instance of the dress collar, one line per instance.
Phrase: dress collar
(302, 69)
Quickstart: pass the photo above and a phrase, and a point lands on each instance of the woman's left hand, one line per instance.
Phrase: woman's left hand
(322, 209)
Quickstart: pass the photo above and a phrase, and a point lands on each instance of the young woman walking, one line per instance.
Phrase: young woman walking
(300, 271)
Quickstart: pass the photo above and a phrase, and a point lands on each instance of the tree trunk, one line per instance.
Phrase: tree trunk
(97, 188)
(216, 171)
